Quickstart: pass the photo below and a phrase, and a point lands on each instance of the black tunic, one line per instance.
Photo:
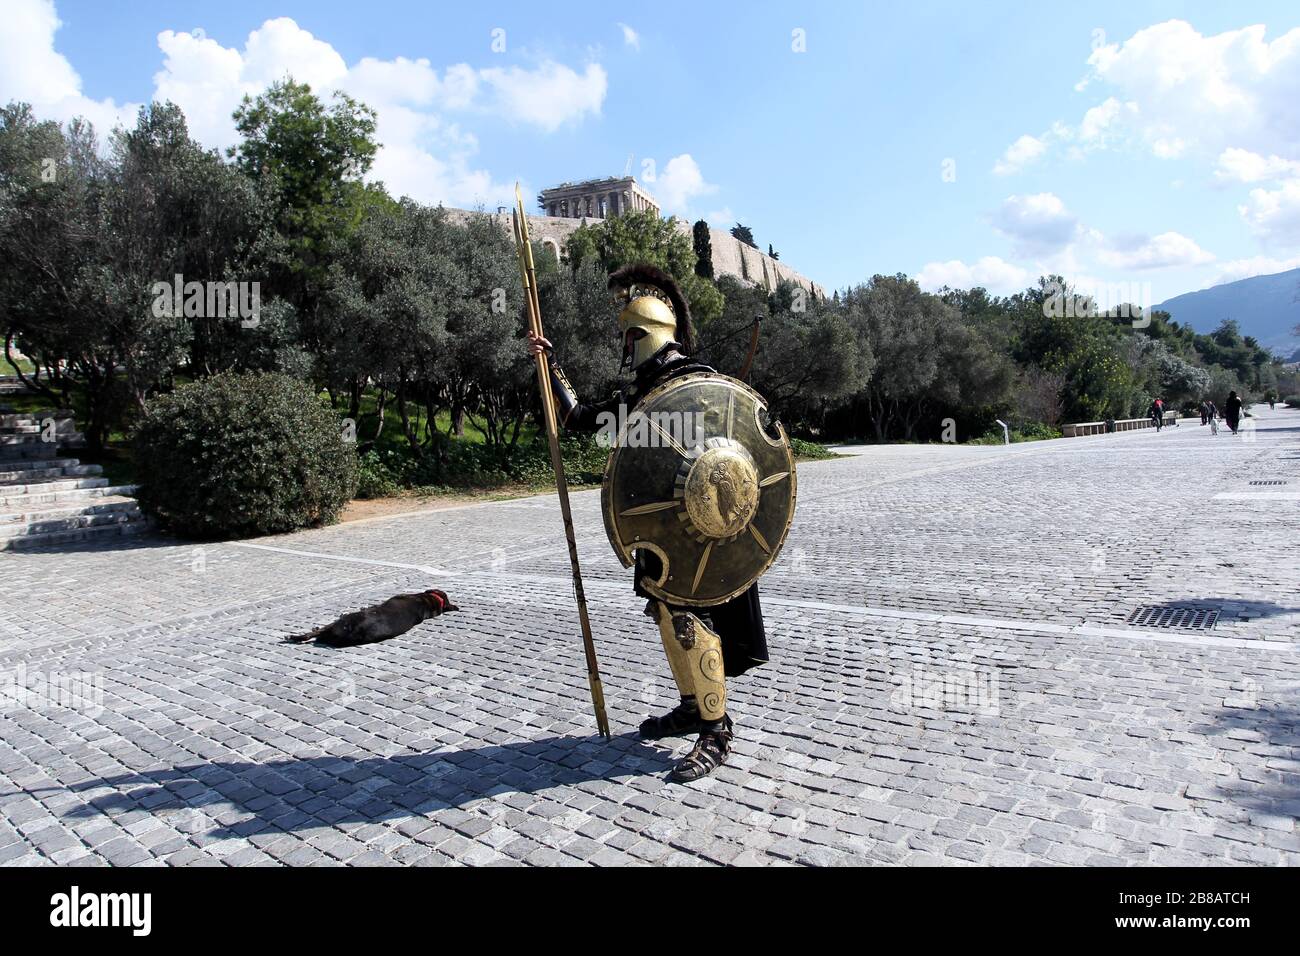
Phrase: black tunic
(1232, 412)
(738, 622)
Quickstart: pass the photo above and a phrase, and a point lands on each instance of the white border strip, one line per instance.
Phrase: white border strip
(424, 568)
(962, 620)
(1257, 496)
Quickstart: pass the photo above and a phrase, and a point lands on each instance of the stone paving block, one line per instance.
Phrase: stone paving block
(1105, 745)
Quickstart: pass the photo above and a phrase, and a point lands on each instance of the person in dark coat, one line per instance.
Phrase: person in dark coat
(1232, 411)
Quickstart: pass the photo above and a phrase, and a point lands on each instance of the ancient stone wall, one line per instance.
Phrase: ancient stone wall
(731, 257)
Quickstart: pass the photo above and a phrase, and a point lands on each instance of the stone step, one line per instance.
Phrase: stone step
(33, 446)
(119, 511)
(42, 485)
(37, 471)
(23, 464)
(98, 505)
(13, 436)
(29, 475)
(27, 431)
(27, 451)
(93, 533)
(83, 471)
(27, 502)
(9, 419)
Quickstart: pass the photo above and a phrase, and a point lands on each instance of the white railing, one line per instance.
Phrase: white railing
(1121, 425)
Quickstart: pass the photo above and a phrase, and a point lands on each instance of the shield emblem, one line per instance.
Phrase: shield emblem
(701, 478)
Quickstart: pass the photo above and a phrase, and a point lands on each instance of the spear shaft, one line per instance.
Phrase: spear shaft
(528, 274)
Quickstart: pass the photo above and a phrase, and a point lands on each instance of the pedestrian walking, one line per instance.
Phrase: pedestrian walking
(1232, 411)
(1158, 413)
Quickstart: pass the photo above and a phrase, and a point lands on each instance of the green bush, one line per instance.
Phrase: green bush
(455, 465)
(1293, 401)
(1032, 431)
(810, 450)
(1035, 431)
(378, 475)
(235, 455)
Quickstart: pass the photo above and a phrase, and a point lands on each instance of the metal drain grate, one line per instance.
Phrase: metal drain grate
(1270, 481)
(1198, 618)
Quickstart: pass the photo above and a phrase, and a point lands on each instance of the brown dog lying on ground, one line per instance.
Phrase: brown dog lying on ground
(395, 616)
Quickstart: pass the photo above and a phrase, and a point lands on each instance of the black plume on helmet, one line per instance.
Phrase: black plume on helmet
(643, 273)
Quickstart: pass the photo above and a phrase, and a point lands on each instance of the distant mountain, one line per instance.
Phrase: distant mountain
(1267, 307)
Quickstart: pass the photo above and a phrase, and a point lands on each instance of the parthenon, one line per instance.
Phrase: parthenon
(566, 208)
(597, 199)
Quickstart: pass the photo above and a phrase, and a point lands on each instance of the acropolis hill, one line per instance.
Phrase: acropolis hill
(570, 205)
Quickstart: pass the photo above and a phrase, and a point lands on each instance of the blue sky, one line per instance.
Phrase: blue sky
(1152, 145)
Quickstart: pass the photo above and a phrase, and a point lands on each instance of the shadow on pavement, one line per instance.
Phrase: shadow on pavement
(296, 794)
(1277, 725)
(139, 541)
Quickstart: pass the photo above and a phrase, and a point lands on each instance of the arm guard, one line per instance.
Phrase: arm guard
(566, 400)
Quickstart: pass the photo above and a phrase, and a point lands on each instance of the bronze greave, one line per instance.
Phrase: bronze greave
(695, 657)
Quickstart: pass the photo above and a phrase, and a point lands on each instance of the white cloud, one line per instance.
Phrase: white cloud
(1179, 93)
(1155, 252)
(1037, 224)
(1049, 240)
(408, 82)
(32, 71)
(423, 154)
(1274, 214)
(279, 48)
(1255, 266)
(1020, 154)
(1188, 91)
(679, 183)
(722, 218)
(1243, 166)
(992, 273)
(205, 80)
(630, 36)
(549, 96)
(1168, 147)
(1098, 123)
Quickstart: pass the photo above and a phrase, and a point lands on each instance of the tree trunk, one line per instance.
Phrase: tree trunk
(354, 407)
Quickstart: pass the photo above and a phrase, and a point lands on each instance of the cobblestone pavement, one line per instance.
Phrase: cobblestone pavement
(952, 680)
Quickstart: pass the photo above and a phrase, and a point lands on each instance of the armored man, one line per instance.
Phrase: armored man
(698, 494)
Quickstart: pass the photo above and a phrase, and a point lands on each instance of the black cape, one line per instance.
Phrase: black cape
(738, 622)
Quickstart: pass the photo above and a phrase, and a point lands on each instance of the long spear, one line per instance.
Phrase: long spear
(529, 275)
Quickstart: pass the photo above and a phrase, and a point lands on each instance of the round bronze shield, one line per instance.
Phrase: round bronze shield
(700, 478)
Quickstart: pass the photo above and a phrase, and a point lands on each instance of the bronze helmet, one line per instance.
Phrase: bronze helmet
(655, 314)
